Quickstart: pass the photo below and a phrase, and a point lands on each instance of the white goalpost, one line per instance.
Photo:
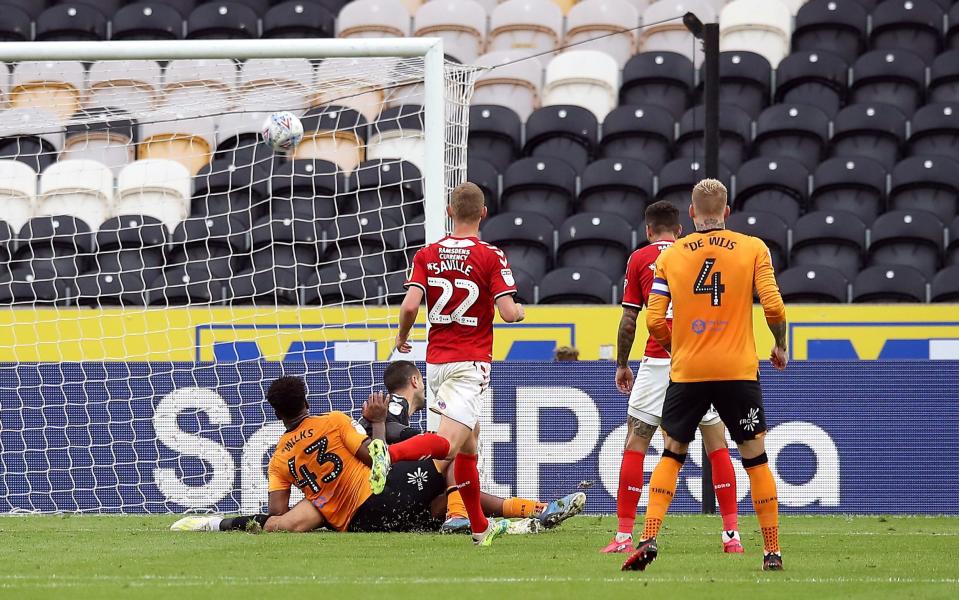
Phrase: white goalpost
(159, 264)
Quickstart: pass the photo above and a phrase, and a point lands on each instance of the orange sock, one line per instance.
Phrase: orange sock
(454, 504)
(765, 503)
(662, 487)
(520, 508)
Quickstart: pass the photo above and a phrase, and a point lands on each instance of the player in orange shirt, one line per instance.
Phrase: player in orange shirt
(709, 276)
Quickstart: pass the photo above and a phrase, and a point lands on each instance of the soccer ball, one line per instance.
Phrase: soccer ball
(282, 131)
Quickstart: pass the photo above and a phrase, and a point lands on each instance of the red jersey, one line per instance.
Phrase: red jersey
(639, 280)
(462, 278)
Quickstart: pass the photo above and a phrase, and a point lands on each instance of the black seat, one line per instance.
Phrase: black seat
(14, 25)
(525, 286)
(872, 130)
(297, 19)
(744, 81)
(131, 244)
(598, 240)
(643, 133)
(218, 245)
(59, 244)
(526, 238)
(775, 185)
(797, 131)
(414, 237)
(945, 285)
(106, 289)
(766, 226)
(562, 131)
(934, 130)
(952, 250)
(660, 78)
(267, 287)
(837, 26)
(617, 186)
(914, 25)
(389, 186)
(402, 118)
(188, 284)
(33, 8)
(147, 21)
(816, 77)
(831, 238)
(37, 285)
(494, 135)
(944, 78)
(910, 238)
(373, 240)
(889, 284)
(676, 181)
(486, 177)
(312, 189)
(347, 283)
(929, 183)
(952, 34)
(71, 22)
(855, 185)
(895, 77)
(222, 20)
(575, 285)
(285, 243)
(542, 185)
(813, 284)
(223, 187)
(735, 131)
(7, 242)
(34, 150)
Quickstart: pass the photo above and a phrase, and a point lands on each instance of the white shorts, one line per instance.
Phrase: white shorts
(458, 390)
(649, 392)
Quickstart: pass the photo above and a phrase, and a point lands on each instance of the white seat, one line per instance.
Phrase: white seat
(77, 188)
(187, 140)
(155, 188)
(639, 5)
(760, 26)
(241, 122)
(515, 85)
(276, 83)
(528, 26)
(104, 136)
(18, 189)
(373, 19)
(340, 81)
(38, 122)
(133, 85)
(586, 78)
(793, 5)
(54, 86)
(461, 24)
(673, 36)
(593, 18)
(199, 85)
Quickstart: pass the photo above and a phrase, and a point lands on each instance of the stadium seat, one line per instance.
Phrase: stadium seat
(154, 188)
(280, 82)
(814, 77)
(225, 187)
(515, 85)
(914, 25)
(945, 285)
(414, 237)
(57, 245)
(71, 22)
(311, 189)
(618, 186)
(217, 246)
(911, 238)
(15, 25)
(934, 130)
(33, 8)
(587, 78)
(797, 131)
(546, 186)
(575, 285)
(344, 284)
(744, 81)
(7, 240)
(761, 26)
(186, 285)
(600, 241)
(107, 7)
(460, 23)
(333, 133)
(222, 20)
(373, 19)
(188, 141)
(259, 6)
(895, 77)
(660, 78)
(269, 287)
(394, 291)
(399, 133)
(525, 286)
(285, 245)
(813, 285)
(486, 177)
(766, 226)
(837, 26)
(952, 250)
(200, 84)
(831, 238)
(929, 183)
(369, 239)
(565, 132)
(56, 87)
(774, 185)
(298, 19)
(944, 78)
(873, 130)
(148, 20)
(107, 135)
(239, 139)
(18, 188)
(528, 26)
(391, 187)
(735, 132)
(952, 33)
(526, 238)
(643, 133)
(494, 135)
(341, 85)
(76, 188)
(32, 136)
(676, 181)
(855, 185)
(663, 32)
(889, 284)
(132, 85)
(595, 18)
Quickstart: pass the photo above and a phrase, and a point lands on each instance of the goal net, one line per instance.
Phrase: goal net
(160, 264)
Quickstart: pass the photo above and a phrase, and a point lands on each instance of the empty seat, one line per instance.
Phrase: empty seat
(18, 188)
(31, 136)
(676, 181)
(889, 284)
(217, 246)
(735, 132)
(280, 82)
(298, 19)
(460, 23)
(53, 86)
(526, 238)
(837, 26)
(224, 187)
(58, 246)
(854, 185)
(133, 85)
(391, 187)
(107, 135)
(186, 285)
(775, 185)
(283, 243)
(7, 240)
(525, 286)
(914, 25)
(766, 226)
(494, 134)
(934, 130)
(945, 285)
(267, 287)
(952, 250)
(911, 238)
(744, 81)
(597, 240)
(414, 237)
(206, 83)
(15, 25)
(311, 189)
(952, 34)
(528, 26)
(831, 238)
(344, 284)
(222, 20)
(515, 85)
(399, 134)
(618, 186)
(186, 140)
(565, 132)
(643, 133)
(155, 188)
(929, 183)
(71, 22)
(33, 8)
(587, 78)
(238, 139)
(373, 241)
(813, 284)
(872, 130)
(813, 77)
(147, 21)
(663, 32)
(895, 77)
(944, 78)
(660, 78)
(575, 285)
(599, 18)
(373, 18)
(77, 188)
(797, 131)
(486, 177)
(333, 133)
(761, 26)
(546, 186)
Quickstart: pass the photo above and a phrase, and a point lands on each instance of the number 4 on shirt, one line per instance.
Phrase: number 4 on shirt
(715, 288)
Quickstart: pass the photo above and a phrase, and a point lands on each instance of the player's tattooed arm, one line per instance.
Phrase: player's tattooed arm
(626, 335)
(779, 357)
(779, 334)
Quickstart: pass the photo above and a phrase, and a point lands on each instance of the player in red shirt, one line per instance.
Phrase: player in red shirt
(647, 392)
(462, 279)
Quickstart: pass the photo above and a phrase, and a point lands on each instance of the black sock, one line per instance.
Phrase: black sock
(241, 523)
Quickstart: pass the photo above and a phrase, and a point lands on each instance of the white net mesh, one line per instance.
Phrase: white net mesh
(159, 264)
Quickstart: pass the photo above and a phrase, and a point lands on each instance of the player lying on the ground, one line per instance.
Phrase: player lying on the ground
(646, 392)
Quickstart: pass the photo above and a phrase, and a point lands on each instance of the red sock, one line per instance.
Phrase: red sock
(420, 447)
(467, 478)
(630, 489)
(724, 482)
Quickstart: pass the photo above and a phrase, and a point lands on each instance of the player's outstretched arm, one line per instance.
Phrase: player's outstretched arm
(509, 309)
(624, 345)
(408, 311)
(279, 502)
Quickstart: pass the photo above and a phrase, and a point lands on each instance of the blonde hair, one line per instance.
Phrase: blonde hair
(709, 197)
(564, 353)
(467, 202)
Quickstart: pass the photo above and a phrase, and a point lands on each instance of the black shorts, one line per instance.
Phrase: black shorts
(739, 404)
(404, 504)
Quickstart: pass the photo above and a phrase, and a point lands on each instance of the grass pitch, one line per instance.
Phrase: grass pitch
(136, 557)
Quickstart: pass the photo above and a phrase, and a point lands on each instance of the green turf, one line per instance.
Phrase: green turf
(136, 557)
